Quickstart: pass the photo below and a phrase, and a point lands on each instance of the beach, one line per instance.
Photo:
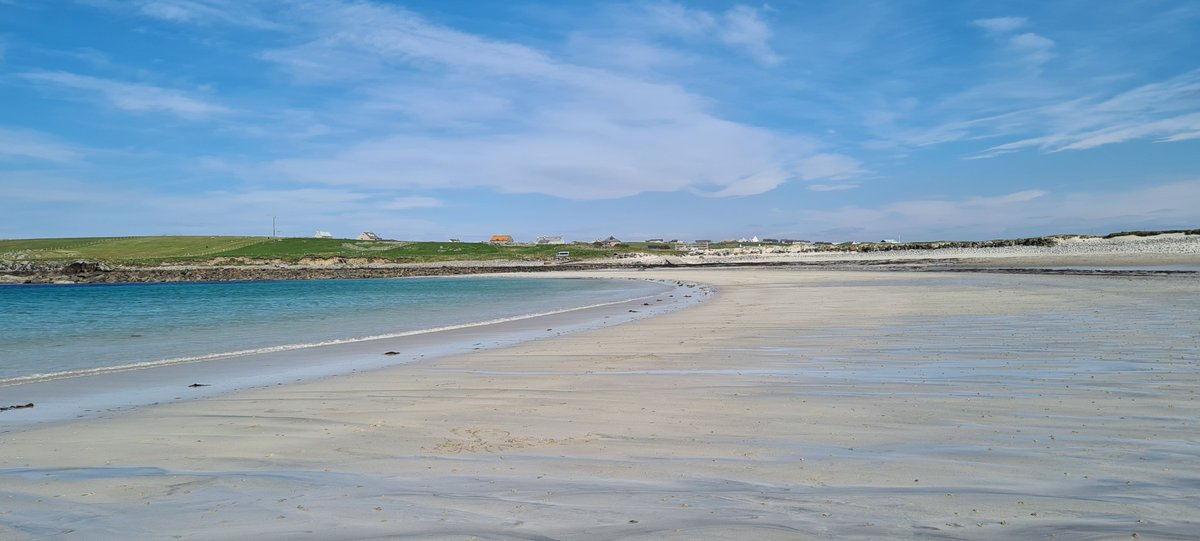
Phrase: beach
(794, 404)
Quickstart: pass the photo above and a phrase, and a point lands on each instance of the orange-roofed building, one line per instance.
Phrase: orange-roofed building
(501, 239)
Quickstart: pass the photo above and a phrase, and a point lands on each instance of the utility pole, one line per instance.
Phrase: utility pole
(273, 235)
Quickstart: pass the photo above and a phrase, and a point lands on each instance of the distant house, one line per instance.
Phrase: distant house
(551, 240)
(323, 235)
(610, 242)
(501, 239)
(455, 240)
(367, 235)
(654, 240)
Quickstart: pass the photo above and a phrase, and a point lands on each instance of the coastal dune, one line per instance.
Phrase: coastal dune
(793, 405)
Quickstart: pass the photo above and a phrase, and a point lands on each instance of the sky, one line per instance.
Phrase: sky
(826, 120)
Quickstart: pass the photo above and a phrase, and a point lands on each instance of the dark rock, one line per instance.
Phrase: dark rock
(85, 267)
(17, 407)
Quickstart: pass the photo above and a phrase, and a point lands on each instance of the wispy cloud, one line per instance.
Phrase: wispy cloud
(1002, 25)
(530, 122)
(1027, 47)
(202, 12)
(673, 18)
(1033, 48)
(829, 167)
(745, 29)
(740, 27)
(132, 96)
(28, 145)
(1164, 111)
(1019, 103)
(831, 187)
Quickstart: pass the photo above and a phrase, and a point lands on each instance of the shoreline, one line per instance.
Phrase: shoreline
(65, 396)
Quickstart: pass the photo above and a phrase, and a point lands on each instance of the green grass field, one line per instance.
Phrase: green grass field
(150, 250)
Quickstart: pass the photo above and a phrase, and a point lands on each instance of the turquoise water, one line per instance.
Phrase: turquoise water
(55, 329)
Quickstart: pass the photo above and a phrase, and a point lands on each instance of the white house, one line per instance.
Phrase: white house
(551, 240)
(323, 235)
(367, 235)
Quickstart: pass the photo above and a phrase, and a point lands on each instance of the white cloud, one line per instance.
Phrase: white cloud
(831, 187)
(740, 27)
(755, 183)
(132, 96)
(172, 11)
(523, 121)
(625, 53)
(1026, 47)
(23, 144)
(743, 28)
(1161, 111)
(828, 167)
(198, 12)
(1001, 25)
(1181, 137)
(1018, 197)
(569, 155)
(1031, 42)
(1032, 47)
(676, 19)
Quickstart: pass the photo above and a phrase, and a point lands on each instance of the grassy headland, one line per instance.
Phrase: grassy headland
(180, 249)
(227, 258)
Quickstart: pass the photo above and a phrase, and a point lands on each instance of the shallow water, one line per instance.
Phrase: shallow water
(57, 329)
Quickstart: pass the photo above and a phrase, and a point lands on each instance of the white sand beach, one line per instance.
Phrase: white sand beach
(796, 404)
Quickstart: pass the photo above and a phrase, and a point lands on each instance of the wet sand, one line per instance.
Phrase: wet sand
(794, 405)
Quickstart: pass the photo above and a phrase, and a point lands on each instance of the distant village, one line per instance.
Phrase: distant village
(657, 243)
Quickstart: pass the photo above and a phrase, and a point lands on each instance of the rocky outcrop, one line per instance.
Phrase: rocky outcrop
(85, 267)
(27, 267)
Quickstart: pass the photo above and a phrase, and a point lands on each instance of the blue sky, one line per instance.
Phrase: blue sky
(823, 120)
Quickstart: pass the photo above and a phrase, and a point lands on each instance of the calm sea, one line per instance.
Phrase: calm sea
(77, 328)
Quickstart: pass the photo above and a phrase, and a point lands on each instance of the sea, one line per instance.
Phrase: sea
(62, 330)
